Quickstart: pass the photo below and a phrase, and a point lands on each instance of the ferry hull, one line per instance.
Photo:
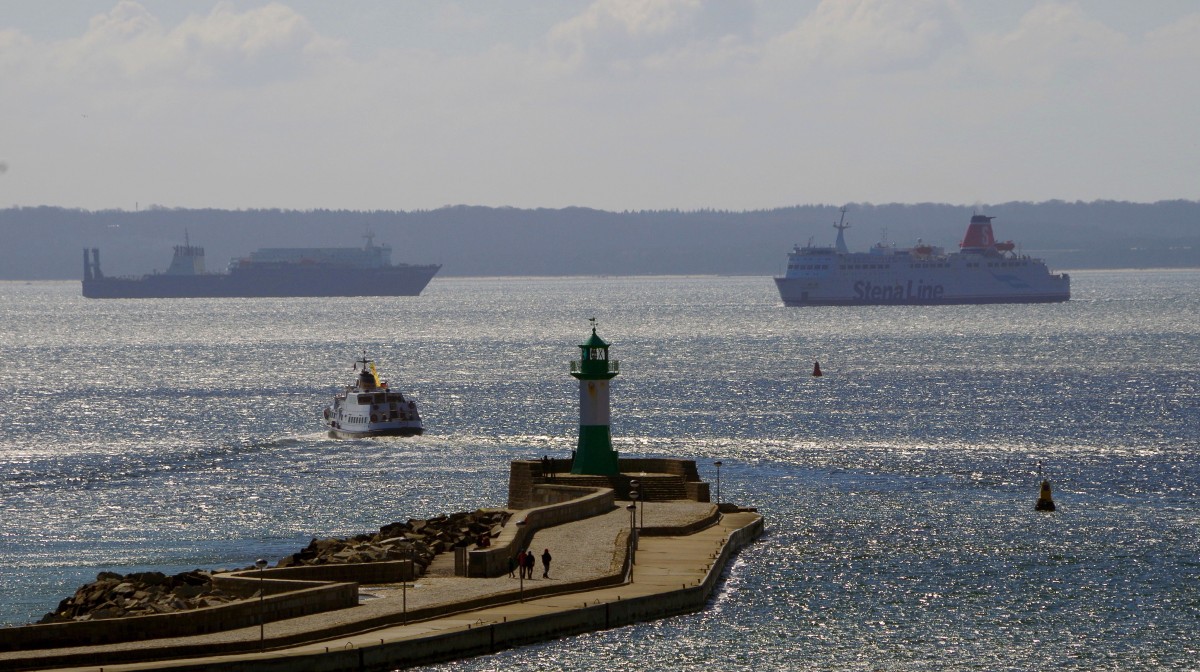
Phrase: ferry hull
(373, 433)
(800, 293)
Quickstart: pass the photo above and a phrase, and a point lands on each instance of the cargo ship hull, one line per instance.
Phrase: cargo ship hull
(269, 272)
(395, 281)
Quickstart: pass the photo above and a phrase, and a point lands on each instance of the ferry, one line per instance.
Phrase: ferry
(983, 270)
(370, 408)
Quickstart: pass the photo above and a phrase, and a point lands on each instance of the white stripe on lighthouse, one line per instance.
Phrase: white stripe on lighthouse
(593, 402)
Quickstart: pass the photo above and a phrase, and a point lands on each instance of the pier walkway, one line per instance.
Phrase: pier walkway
(671, 575)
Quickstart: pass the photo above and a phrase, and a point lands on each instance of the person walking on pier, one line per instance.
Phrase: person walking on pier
(546, 564)
(529, 564)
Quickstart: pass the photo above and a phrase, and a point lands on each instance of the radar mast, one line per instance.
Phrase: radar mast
(841, 226)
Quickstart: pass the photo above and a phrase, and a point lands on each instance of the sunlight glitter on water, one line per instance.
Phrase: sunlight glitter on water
(898, 488)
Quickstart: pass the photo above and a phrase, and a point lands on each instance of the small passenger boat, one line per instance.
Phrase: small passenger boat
(370, 408)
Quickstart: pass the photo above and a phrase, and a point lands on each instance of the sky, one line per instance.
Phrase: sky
(609, 104)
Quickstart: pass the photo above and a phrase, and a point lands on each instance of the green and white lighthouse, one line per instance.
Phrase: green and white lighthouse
(594, 454)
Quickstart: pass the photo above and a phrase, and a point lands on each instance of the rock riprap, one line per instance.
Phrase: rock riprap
(112, 595)
(426, 537)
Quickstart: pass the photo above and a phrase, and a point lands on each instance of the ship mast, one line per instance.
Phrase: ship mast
(841, 226)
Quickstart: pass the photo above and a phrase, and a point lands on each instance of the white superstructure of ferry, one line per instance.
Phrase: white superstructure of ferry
(982, 271)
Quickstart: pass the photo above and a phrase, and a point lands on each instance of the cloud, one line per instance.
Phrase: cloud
(624, 33)
(129, 46)
(1054, 44)
(1175, 42)
(869, 36)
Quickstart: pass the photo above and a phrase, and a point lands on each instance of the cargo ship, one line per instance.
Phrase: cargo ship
(274, 272)
(983, 270)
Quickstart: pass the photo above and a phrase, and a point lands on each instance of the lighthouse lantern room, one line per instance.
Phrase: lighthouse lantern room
(594, 453)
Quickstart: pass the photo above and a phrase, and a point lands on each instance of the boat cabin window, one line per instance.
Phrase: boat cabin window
(365, 398)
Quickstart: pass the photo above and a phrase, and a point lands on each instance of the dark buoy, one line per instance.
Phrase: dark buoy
(1045, 501)
(817, 369)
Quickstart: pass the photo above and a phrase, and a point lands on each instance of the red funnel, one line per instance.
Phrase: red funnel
(979, 233)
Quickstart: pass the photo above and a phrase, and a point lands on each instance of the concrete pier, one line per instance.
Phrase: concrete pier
(673, 574)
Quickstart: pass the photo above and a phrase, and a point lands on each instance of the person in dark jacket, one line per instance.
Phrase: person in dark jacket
(530, 561)
(546, 564)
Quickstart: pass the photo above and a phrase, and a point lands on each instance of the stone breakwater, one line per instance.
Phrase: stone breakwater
(426, 537)
(114, 595)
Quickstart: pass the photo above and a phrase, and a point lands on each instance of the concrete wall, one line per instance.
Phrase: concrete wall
(661, 465)
(523, 475)
(389, 571)
(282, 599)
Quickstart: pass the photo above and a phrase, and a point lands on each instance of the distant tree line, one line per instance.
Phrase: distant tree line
(47, 242)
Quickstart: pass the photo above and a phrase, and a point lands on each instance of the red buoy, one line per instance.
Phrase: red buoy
(817, 369)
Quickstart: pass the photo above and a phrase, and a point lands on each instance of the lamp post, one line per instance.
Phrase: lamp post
(637, 500)
(634, 494)
(261, 564)
(633, 500)
(717, 464)
(521, 568)
(404, 584)
(632, 539)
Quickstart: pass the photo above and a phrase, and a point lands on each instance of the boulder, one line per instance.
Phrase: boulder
(149, 578)
(187, 591)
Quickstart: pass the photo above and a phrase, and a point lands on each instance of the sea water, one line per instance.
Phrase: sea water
(898, 488)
